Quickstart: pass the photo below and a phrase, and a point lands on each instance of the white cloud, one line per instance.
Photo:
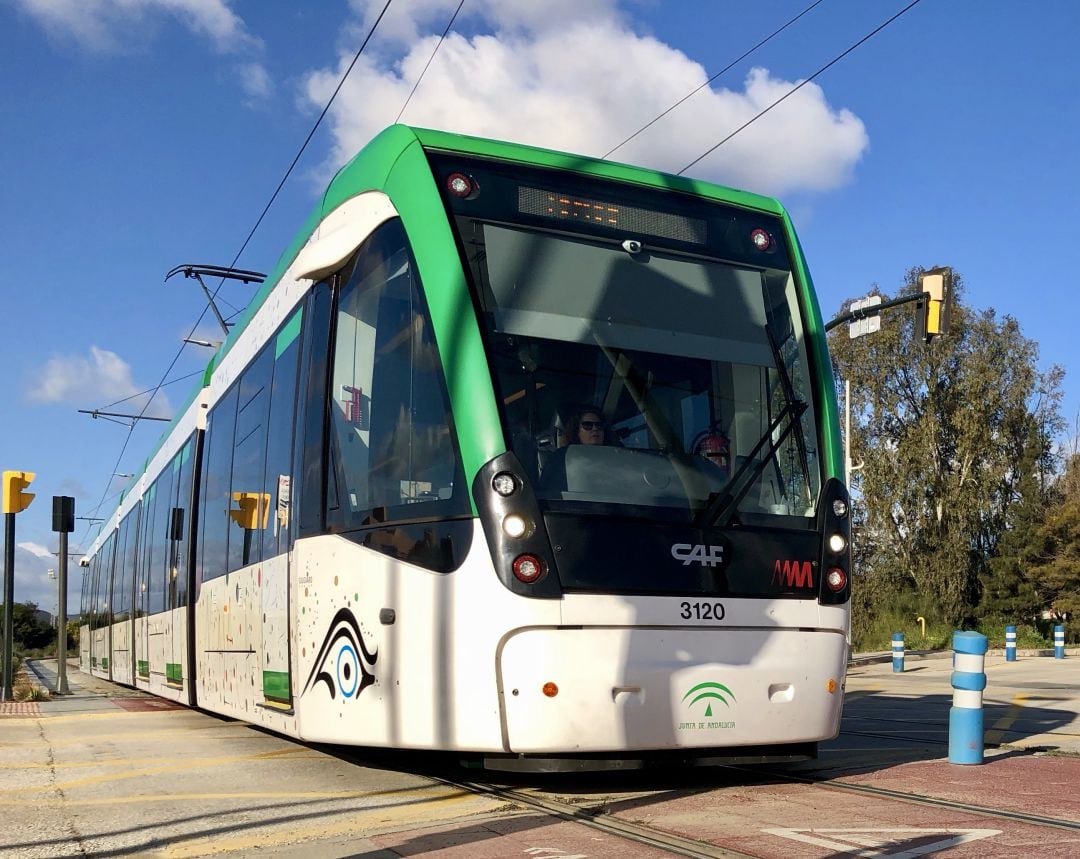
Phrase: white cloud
(405, 23)
(103, 377)
(33, 583)
(98, 24)
(36, 549)
(583, 87)
(255, 81)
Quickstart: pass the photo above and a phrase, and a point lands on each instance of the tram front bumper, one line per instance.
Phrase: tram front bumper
(614, 689)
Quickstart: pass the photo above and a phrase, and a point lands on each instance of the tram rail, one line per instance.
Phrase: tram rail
(916, 798)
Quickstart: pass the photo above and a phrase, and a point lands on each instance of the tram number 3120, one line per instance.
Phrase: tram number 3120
(702, 611)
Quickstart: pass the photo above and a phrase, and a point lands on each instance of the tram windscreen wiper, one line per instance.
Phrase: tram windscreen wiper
(723, 504)
(789, 397)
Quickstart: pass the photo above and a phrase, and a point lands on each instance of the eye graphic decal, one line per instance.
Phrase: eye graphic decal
(343, 662)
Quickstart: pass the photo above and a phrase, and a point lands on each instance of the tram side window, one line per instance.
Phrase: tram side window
(142, 569)
(216, 499)
(179, 525)
(116, 588)
(91, 592)
(125, 566)
(392, 446)
(103, 580)
(249, 505)
(159, 535)
(277, 482)
(95, 598)
(82, 600)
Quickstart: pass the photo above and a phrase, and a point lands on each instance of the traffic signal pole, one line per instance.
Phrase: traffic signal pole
(15, 500)
(9, 602)
(935, 297)
(875, 309)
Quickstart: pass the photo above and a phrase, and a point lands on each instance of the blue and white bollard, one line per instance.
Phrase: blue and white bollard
(898, 652)
(1010, 644)
(1059, 641)
(968, 682)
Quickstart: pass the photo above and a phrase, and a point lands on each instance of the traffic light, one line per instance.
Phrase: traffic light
(936, 316)
(63, 514)
(251, 511)
(16, 498)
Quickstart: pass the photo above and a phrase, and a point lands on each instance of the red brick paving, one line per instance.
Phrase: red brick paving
(19, 708)
(146, 705)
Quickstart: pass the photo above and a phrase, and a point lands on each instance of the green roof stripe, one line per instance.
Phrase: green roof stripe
(289, 333)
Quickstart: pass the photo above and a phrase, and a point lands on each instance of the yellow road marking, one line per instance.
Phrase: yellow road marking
(292, 796)
(994, 735)
(125, 738)
(194, 763)
(129, 762)
(363, 823)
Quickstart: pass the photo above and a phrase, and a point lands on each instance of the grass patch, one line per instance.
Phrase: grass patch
(875, 633)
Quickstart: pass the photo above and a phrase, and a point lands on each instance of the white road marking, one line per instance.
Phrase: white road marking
(876, 842)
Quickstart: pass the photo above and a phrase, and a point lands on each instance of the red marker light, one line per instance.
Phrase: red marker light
(459, 185)
(550, 689)
(761, 239)
(835, 579)
(528, 568)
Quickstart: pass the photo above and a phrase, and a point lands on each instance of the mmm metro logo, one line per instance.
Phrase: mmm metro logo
(793, 574)
(709, 692)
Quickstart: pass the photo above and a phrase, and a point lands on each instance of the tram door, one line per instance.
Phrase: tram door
(274, 536)
(176, 631)
(140, 622)
(178, 527)
(140, 618)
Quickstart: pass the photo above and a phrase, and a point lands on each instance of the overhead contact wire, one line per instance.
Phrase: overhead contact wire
(432, 57)
(722, 71)
(798, 86)
(247, 240)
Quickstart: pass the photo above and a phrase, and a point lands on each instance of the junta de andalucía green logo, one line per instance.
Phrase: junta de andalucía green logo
(709, 692)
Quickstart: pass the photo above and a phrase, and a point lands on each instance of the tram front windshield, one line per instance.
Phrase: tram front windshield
(642, 375)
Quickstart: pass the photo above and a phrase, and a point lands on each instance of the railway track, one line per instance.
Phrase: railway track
(915, 798)
(591, 807)
(597, 819)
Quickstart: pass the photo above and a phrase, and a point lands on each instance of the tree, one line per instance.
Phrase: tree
(28, 630)
(955, 436)
(1053, 550)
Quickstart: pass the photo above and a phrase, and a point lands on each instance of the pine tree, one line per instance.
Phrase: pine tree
(955, 437)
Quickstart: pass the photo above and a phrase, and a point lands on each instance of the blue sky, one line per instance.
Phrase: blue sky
(141, 134)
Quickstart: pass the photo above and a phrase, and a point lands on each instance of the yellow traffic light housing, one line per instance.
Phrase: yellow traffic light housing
(251, 511)
(936, 318)
(16, 498)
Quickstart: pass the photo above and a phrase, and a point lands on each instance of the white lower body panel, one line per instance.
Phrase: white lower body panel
(637, 689)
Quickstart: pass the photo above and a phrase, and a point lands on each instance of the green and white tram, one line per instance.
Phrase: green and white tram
(516, 454)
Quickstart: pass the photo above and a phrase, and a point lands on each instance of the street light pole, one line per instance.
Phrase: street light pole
(848, 467)
(63, 523)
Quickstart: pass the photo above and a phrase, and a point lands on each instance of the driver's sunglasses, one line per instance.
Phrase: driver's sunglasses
(592, 425)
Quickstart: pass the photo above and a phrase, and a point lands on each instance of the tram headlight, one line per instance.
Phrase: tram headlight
(834, 520)
(462, 186)
(516, 526)
(504, 484)
(528, 568)
(835, 579)
(761, 240)
(516, 530)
